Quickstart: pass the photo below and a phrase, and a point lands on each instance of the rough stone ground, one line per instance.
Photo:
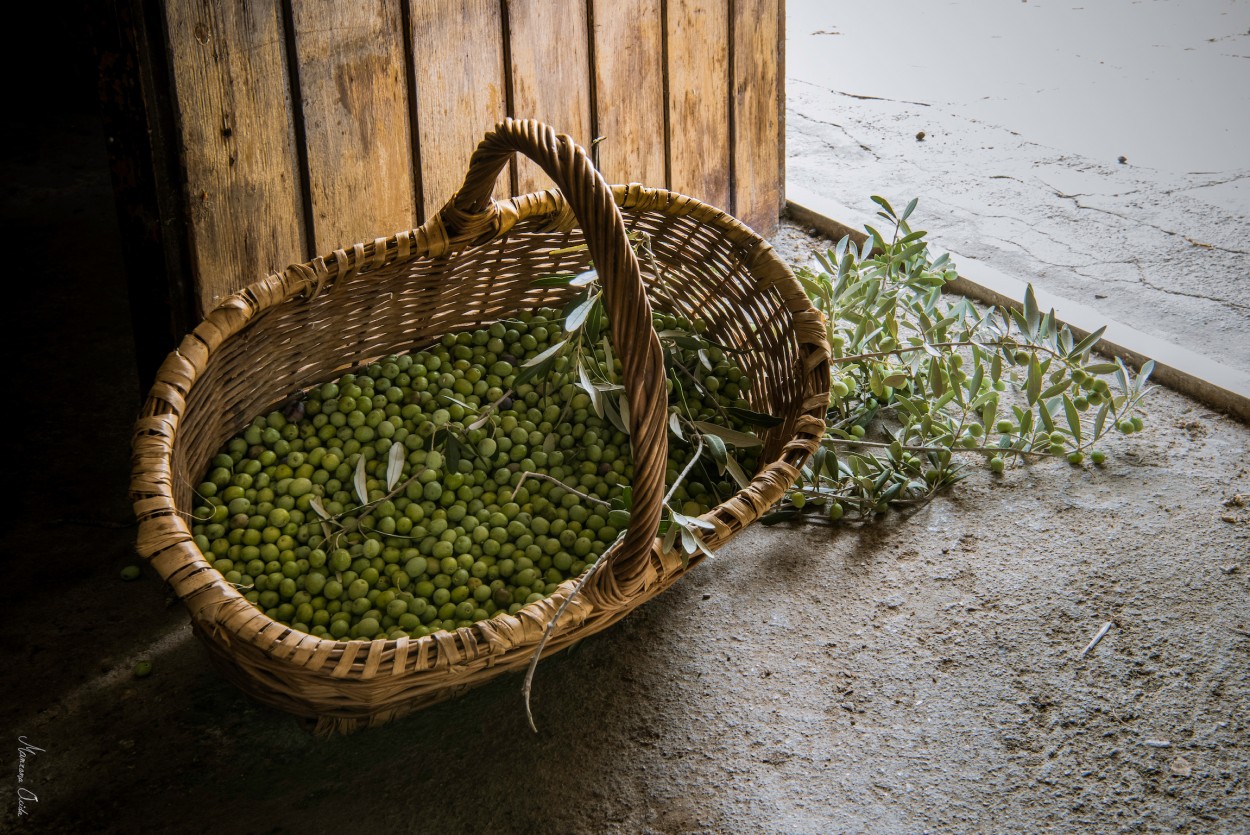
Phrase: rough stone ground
(919, 674)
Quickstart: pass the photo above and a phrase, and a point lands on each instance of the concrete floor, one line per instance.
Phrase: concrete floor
(1026, 110)
(922, 674)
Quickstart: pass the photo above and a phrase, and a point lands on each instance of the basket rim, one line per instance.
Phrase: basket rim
(165, 539)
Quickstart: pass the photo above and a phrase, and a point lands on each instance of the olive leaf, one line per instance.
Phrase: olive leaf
(394, 465)
(730, 436)
(451, 454)
(754, 418)
(1074, 417)
(735, 470)
(674, 425)
(670, 538)
(579, 314)
(596, 398)
(719, 452)
(545, 355)
(360, 482)
(684, 521)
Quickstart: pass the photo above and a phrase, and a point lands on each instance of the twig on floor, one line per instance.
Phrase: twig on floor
(1106, 627)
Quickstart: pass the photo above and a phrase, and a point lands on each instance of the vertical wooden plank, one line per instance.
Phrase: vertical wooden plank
(629, 90)
(236, 141)
(459, 71)
(137, 116)
(698, 99)
(757, 118)
(353, 86)
(550, 73)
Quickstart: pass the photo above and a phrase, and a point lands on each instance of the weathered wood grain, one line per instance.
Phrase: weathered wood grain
(757, 188)
(457, 49)
(550, 73)
(237, 143)
(353, 85)
(698, 99)
(629, 90)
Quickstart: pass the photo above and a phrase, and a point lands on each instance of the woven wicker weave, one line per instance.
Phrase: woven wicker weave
(470, 266)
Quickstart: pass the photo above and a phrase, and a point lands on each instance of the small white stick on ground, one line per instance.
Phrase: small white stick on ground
(1101, 632)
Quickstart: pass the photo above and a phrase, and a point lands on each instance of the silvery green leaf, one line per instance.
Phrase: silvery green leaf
(688, 543)
(481, 421)
(545, 355)
(1142, 376)
(1057, 388)
(1100, 419)
(579, 314)
(989, 413)
(685, 521)
(670, 538)
(883, 203)
(361, 482)
(978, 374)
(1032, 316)
(719, 453)
(1066, 342)
(594, 320)
(613, 416)
(1121, 376)
(609, 362)
(596, 398)
(1044, 413)
(394, 465)
(735, 470)
(729, 436)
(318, 507)
(582, 279)
(451, 451)
(1033, 385)
(1074, 417)
(698, 540)
(823, 258)
(541, 369)
(703, 358)
(675, 426)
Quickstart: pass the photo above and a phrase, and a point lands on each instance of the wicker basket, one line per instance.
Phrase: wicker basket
(470, 266)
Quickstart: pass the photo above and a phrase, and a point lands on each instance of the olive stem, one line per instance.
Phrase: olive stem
(559, 483)
(392, 494)
(907, 349)
(698, 450)
(585, 578)
(551, 625)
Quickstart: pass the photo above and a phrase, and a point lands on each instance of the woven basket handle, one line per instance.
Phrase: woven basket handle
(624, 295)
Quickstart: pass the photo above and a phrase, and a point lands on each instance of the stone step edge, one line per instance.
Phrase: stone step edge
(1200, 377)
